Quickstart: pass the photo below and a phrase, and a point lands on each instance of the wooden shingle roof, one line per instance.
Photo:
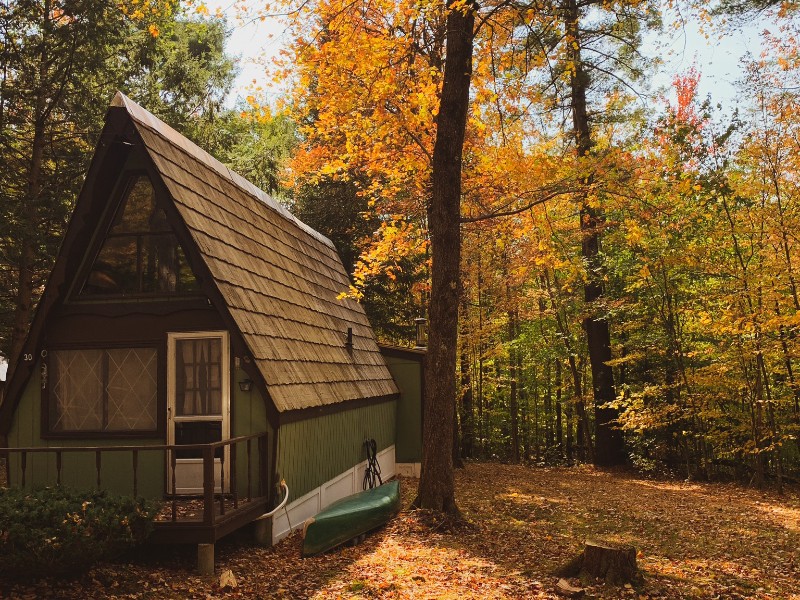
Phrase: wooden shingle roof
(280, 279)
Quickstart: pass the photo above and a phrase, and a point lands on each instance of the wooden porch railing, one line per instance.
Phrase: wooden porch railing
(216, 505)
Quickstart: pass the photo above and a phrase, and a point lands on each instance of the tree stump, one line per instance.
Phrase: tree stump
(616, 564)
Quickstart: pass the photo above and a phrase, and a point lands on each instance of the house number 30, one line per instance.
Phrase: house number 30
(27, 357)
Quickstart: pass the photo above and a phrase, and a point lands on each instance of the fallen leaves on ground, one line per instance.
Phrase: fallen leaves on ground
(693, 540)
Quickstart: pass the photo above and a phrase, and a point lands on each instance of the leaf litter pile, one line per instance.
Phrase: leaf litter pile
(522, 524)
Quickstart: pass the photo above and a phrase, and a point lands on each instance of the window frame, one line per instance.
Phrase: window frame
(125, 183)
(47, 394)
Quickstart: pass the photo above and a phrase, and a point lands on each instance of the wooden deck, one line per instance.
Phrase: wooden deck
(200, 519)
(189, 527)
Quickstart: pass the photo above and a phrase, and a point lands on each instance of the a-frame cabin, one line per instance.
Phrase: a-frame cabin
(193, 340)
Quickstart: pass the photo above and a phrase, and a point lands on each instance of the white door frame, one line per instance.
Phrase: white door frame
(188, 469)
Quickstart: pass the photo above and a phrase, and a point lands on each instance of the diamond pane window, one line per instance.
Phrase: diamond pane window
(111, 390)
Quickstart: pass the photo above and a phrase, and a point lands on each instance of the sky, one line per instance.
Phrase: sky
(717, 57)
(253, 43)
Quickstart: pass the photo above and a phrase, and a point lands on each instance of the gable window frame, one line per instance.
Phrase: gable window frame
(115, 209)
(48, 393)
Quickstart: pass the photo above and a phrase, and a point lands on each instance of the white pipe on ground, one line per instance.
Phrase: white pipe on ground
(267, 515)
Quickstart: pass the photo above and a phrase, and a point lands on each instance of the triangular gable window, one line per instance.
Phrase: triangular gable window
(140, 254)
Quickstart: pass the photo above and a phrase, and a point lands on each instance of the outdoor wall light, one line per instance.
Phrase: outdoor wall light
(245, 385)
(422, 332)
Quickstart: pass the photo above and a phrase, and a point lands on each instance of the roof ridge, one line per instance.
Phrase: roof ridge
(175, 138)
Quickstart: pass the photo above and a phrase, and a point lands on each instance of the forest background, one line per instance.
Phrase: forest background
(627, 289)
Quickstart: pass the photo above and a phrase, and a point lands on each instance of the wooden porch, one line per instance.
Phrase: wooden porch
(223, 507)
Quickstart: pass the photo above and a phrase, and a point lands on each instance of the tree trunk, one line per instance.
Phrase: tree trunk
(577, 386)
(436, 487)
(583, 433)
(481, 436)
(568, 442)
(525, 417)
(513, 374)
(609, 443)
(559, 428)
(615, 564)
(457, 462)
(549, 438)
(522, 394)
(467, 409)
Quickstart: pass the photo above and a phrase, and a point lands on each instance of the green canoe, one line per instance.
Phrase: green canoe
(350, 517)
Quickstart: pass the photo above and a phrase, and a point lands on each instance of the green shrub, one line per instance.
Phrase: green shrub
(59, 531)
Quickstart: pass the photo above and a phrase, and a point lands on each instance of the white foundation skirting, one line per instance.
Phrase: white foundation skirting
(342, 485)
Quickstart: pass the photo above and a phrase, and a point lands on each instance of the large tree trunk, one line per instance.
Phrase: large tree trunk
(609, 443)
(436, 489)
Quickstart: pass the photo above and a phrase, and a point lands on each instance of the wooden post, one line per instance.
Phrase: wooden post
(174, 491)
(262, 466)
(205, 559)
(234, 483)
(222, 482)
(208, 487)
(262, 531)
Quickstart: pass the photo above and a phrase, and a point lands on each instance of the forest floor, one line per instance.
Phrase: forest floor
(694, 540)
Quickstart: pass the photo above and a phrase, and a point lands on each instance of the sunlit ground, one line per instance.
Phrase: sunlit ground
(694, 540)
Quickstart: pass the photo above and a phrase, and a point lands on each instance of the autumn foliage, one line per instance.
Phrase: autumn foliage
(697, 257)
(678, 216)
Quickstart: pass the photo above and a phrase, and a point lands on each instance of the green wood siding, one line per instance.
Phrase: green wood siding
(249, 416)
(248, 408)
(313, 451)
(408, 376)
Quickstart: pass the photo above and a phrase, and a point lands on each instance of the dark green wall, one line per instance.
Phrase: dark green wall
(407, 374)
(313, 451)
(249, 416)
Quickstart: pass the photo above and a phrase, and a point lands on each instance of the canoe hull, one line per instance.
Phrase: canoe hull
(350, 517)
